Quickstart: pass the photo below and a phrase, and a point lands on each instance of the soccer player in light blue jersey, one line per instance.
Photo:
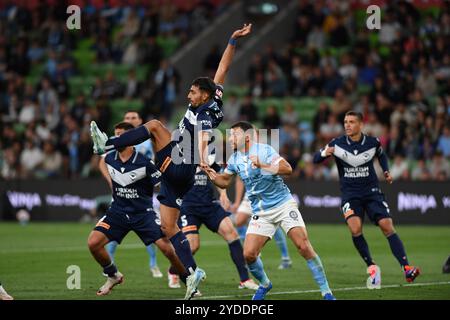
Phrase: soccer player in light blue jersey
(146, 149)
(260, 166)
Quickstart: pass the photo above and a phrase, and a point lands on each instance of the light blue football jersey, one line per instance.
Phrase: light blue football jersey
(146, 149)
(264, 190)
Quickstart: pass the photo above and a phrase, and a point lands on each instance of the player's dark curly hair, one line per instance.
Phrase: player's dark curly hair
(205, 84)
(124, 125)
(244, 125)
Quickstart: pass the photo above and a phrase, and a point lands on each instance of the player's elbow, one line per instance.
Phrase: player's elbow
(285, 169)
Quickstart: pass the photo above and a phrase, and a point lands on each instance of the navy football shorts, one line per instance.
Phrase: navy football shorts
(116, 226)
(374, 205)
(176, 179)
(192, 218)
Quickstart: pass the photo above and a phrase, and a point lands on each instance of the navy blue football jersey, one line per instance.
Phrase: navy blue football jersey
(133, 182)
(202, 193)
(203, 118)
(354, 160)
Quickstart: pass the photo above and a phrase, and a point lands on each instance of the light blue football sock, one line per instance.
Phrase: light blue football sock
(111, 249)
(151, 250)
(280, 239)
(316, 267)
(257, 270)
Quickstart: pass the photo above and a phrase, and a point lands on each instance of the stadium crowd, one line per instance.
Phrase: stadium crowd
(397, 77)
(45, 127)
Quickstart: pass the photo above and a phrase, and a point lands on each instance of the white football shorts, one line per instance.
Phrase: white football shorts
(266, 222)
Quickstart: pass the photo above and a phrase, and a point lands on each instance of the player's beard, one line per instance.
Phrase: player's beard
(120, 149)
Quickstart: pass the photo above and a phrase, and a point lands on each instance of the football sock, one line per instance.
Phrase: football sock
(257, 270)
(316, 267)
(129, 138)
(237, 256)
(110, 269)
(280, 239)
(363, 249)
(152, 253)
(242, 231)
(111, 249)
(173, 270)
(183, 251)
(397, 249)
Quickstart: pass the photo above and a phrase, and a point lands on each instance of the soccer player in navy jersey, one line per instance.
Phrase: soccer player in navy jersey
(133, 177)
(354, 154)
(201, 207)
(177, 156)
(145, 148)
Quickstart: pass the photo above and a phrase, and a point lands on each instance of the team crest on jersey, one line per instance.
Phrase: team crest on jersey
(293, 215)
(179, 201)
(133, 175)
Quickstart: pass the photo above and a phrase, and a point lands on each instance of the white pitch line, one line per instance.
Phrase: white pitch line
(334, 290)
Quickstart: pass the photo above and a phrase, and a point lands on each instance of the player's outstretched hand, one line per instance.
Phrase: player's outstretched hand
(210, 172)
(245, 30)
(255, 161)
(388, 177)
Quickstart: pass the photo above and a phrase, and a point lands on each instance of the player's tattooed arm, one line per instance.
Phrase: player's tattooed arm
(228, 54)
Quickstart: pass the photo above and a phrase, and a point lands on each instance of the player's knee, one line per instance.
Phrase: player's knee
(93, 244)
(250, 256)
(230, 234)
(169, 231)
(304, 247)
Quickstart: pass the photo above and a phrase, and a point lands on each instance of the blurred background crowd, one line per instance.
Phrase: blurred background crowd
(53, 81)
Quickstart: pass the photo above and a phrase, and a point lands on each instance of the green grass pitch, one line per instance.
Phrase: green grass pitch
(34, 260)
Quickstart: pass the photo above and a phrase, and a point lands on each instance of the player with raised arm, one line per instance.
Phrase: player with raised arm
(146, 149)
(133, 177)
(354, 154)
(177, 157)
(260, 166)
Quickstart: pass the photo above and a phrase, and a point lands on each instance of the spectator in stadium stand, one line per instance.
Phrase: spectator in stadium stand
(233, 106)
(421, 172)
(406, 87)
(248, 110)
(439, 165)
(272, 119)
(443, 144)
